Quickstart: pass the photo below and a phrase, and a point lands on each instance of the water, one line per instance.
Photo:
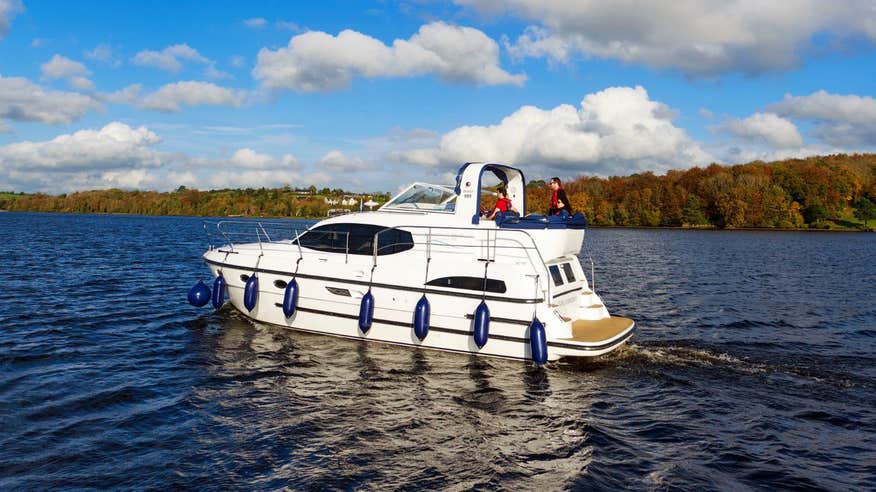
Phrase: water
(752, 368)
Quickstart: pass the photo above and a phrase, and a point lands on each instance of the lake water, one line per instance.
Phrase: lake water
(753, 367)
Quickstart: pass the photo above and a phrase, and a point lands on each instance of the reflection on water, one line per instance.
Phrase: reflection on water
(752, 367)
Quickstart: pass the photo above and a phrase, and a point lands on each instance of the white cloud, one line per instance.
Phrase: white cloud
(103, 53)
(249, 159)
(126, 95)
(115, 146)
(824, 106)
(238, 61)
(22, 100)
(170, 58)
(255, 23)
(60, 67)
(170, 97)
(8, 10)
(615, 131)
(839, 119)
(774, 130)
(703, 38)
(337, 161)
(211, 72)
(316, 61)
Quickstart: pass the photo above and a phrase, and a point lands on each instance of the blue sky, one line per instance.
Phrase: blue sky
(373, 95)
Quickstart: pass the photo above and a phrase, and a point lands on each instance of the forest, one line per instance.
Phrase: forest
(825, 192)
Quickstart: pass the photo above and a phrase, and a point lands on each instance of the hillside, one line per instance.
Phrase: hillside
(836, 191)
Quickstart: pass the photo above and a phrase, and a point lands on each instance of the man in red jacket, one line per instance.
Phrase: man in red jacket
(559, 201)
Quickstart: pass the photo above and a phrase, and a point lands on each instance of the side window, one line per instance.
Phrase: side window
(469, 283)
(555, 274)
(567, 269)
(331, 238)
(394, 241)
(335, 238)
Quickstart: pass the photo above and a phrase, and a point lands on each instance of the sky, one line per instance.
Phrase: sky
(371, 96)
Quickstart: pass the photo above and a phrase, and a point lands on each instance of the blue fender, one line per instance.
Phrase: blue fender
(538, 342)
(218, 291)
(251, 292)
(366, 312)
(421, 318)
(199, 294)
(481, 324)
(290, 298)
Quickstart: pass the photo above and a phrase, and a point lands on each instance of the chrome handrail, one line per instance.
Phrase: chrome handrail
(266, 233)
(429, 234)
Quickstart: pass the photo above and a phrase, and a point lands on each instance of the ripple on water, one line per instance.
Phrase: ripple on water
(747, 371)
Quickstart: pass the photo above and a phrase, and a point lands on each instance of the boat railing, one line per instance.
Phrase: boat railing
(519, 239)
(280, 235)
(265, 233)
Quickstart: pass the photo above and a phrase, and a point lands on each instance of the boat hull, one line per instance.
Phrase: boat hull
(329, 305)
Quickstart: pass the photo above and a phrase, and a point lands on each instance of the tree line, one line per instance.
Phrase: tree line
(824, 191)
(819, 192)
(249, 202)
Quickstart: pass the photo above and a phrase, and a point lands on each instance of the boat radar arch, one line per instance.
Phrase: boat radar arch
(468, 187)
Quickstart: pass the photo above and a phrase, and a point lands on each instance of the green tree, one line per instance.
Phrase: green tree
(865, 210)
(693, 212)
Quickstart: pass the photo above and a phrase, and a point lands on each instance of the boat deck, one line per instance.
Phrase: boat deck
(600, 330)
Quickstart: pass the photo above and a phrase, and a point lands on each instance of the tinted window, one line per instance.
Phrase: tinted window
(335, 238)
(469, 283)
(567, 269)
(555, 274)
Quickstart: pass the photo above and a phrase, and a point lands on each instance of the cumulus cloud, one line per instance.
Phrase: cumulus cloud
(704, 38)
(249, 159)
(116, 145)
(22, 100)
(119, 155)
(170, 97)
(170, 58)
(840, 119)
(768, 127)
(339, 162)
(617, 130)
(115, 155)
(60, 67)
(317, 61)
(8, 10)
(103, 53)
(824, 106)
(244, 168)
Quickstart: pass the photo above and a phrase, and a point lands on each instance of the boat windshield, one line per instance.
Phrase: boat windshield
(422, 196)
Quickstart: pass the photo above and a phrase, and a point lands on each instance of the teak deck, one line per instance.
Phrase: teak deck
(592, 331)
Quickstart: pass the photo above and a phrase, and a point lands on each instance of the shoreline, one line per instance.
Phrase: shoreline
(679, 228)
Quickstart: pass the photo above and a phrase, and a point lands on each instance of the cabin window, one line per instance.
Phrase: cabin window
(469, 283)
(567, 269)
(280, 284)
(555, 274)
(336, 238)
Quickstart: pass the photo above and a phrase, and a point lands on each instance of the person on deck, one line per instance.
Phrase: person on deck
(559, 201)
(503, 204)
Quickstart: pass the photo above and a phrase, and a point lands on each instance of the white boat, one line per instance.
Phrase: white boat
(425, 270)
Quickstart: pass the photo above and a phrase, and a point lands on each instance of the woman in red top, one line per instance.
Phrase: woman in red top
(503, 204)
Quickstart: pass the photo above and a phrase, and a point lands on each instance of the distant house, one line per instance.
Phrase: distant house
(347, 201)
